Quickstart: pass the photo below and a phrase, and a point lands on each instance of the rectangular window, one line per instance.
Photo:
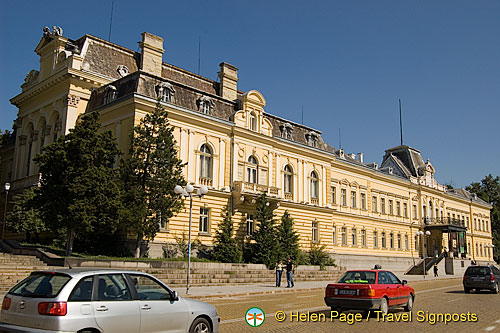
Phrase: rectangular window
(468, 223)
(407, 246)
(334, 236)
(363, 238)
(391, 239)
(204, 219)
(334, 195)
(354, 237)
(399, 241)
(162, 222)
(398, 208)
(315, 236)
(374, 204)
(343, 197)
(415, 215)
(353, 199)
(375, 239)
(391, 207)
(363, 201)
(344, 236)
(384, 241)
(405, 209)
(475, 224)
(382, 205)
(250, 224)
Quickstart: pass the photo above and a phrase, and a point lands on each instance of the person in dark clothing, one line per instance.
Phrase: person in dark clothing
(289, 273)
(435, 270)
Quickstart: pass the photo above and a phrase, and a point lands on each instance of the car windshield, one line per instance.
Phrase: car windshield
(478, 271)
(40, 285)
(365, 277)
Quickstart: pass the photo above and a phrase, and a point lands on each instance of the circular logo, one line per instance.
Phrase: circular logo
(255, 317)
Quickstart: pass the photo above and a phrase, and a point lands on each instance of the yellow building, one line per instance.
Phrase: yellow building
(232, 145)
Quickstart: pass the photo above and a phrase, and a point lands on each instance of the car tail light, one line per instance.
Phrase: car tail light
(492, 277)
(52, 308)
(366, 292)
(465, 278)
(6, 303)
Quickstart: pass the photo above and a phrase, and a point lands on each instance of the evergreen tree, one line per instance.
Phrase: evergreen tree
(150, 175)
(78, 192)
(25, 217)
(226, 248)
(288, 238)
(265, 250)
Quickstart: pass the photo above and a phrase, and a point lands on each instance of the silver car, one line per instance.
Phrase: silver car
(91, 300)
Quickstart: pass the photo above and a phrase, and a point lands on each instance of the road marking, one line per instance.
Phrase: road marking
(306, 296)
(491, 328)
(455, 299)
(429, 290)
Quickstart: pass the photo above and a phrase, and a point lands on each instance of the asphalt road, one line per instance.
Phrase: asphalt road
(479, 312)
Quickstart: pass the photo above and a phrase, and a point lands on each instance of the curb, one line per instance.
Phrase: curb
(249, 293)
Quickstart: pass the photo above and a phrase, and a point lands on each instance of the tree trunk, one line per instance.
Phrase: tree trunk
(70, 236)
(138, 245)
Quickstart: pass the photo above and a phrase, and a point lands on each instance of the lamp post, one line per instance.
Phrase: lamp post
(424, 249)
(187, 191)
(7, 188)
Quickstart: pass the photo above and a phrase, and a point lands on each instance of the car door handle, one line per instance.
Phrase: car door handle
(102, 308)
(145, 307)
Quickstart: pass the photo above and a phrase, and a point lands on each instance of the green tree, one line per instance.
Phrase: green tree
(288, 239)
(78, 192)
(150, 175)
(319, 257)
(489, 190)
(25, 217)
(226, 248)
(265, 250)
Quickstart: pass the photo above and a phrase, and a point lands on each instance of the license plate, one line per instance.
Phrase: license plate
(347, 292)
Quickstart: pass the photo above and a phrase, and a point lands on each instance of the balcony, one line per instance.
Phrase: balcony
(205, 181)
(244, 187)
(289, 196)
(446, 223)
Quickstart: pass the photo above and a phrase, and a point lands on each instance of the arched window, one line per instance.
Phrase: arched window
(205, 162)
(314, 182)
(253, 121)
(288, 179)
(205, 107)
(252, 170)
(430, 209)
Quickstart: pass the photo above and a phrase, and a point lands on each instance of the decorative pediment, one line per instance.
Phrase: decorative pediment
(253, 98)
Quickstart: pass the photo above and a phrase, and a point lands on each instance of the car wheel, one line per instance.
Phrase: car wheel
(200, 325)
(409, 305)
(467, 290)
(495, 290)
(384, 307)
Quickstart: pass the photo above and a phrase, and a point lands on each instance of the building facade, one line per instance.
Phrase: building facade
(239, 150)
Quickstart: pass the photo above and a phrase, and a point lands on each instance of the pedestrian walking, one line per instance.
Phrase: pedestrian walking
(435, 270)
(279, 272)
(289, 273)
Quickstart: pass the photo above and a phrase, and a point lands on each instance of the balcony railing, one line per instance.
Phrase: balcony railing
(205, 181)
(443, 221)
(314, 201)
(288, 196)
(240, 186)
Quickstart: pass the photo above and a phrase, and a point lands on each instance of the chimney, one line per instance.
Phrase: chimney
(228, 76)
(353, 156)
(151, 54)
(360, 157)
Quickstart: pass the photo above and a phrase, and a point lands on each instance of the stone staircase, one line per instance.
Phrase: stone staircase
(14, 268)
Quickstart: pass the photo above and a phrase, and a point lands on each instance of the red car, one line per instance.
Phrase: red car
(369, 290)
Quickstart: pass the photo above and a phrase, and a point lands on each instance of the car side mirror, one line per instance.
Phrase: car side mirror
(174, 296)
(404, 282)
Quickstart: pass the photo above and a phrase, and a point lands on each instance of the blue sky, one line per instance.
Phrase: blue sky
(345, 62)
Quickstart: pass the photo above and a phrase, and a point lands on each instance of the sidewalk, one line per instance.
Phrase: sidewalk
(266, 288)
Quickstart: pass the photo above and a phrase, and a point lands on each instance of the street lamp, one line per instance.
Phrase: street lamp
(187, 191)
(424, 249)
(7, 188)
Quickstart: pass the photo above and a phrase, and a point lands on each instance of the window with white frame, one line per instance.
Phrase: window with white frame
(165, 92)
(204, 220)
(391, 239)
(252, 121)
(162, 222)
(382, 205)
(363, 237)
(109, 94)
(288, 179)
(334, 235)
(314, 183)
(334, 195)
(398, 208)
(353, 199)
(391, 207)
(384, 240)
(405, 210)
(252, 170)
(344, 236)
(250, 225)
(206, 105)
(363, 201)
(375, 239)
(354, 237)
(407, 246)
(315, 232)
(205, 161)
(399, 242)
(343, 197)
(374, 204)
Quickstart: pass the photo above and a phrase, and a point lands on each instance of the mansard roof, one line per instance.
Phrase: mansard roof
(406, 159)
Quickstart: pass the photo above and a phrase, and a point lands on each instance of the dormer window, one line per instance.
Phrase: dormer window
(109, 94)
(206, 105)
(165, 92)
(253, 122)
(312, 139)
(286, 131)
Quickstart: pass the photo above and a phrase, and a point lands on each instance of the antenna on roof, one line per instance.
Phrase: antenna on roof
(111, 20)
(199, 54)
(340, 139)
(400, 122)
